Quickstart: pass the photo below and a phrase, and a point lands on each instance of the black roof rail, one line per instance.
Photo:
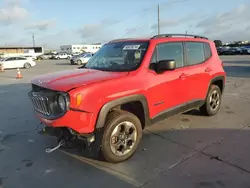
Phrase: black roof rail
(176, 35)
(116, 40)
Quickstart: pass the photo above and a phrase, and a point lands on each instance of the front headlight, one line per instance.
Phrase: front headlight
(61, 101)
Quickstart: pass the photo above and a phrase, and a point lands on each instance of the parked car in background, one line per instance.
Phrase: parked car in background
(74, 54)
(229, 50)
(17, 62)
(81, 59)
(233, 51)
(220, 51)
(61, 55)
(29, 57)
(245, 51)
(45, 56)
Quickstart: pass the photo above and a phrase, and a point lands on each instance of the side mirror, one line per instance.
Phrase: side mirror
(165, 65)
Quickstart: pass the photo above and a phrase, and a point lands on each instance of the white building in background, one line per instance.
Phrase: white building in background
(92, 48)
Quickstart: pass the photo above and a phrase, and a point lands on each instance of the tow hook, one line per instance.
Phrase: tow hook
(61, 143)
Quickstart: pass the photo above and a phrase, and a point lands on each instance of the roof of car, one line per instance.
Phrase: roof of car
(163, 37)
(130, 39)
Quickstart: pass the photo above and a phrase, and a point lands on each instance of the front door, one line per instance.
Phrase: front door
(167, 91)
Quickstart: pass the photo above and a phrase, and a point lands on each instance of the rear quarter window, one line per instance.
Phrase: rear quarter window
(195, 53)
(207, 50)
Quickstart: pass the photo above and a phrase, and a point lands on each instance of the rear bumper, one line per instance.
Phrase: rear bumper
(81, 122)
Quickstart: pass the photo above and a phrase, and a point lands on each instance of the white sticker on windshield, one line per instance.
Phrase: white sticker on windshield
(131, 47)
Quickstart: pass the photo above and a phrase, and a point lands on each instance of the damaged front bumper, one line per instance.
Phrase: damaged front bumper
(69, 139)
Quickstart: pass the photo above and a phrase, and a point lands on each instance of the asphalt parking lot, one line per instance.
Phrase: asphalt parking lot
(186, 150)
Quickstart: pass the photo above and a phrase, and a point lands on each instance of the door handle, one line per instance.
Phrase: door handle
(183, 76)
(208, 69)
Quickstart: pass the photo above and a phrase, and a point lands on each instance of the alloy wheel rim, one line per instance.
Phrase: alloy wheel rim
(214, 100)
(123, 138)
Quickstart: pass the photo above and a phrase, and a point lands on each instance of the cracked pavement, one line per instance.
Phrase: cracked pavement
(186, 150)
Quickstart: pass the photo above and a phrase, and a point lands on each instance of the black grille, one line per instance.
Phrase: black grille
(45, 102)
(40, 103)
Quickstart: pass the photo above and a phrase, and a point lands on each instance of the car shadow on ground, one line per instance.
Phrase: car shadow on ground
(63, 63)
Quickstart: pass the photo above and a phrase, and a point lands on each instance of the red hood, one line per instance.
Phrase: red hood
(66, 80)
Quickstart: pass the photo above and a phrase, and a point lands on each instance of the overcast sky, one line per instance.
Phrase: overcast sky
(59, 22)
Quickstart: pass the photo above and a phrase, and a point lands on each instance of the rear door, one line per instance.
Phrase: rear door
(20, 61)
(198, 59)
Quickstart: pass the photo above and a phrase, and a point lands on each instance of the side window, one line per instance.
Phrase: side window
(169, 51)
(10, 59)
(208, 52)
(153, 59)
(195, 53)
(20, 58)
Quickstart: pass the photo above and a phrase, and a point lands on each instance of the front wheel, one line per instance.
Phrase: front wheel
(79, 62)
(121, 137)
(213, 101)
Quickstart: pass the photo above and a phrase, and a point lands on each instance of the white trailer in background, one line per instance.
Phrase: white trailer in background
(14, 51)
(77, 49)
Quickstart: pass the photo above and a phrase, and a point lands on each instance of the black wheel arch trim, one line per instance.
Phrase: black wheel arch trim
(217, 78)
(108, 106)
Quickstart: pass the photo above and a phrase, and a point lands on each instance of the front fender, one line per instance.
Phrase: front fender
(103, 112)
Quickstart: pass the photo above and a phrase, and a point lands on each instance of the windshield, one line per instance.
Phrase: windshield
(120, 56)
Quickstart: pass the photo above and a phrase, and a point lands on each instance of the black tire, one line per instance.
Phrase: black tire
(113, 119)
(206, 109)
(78, 62)
(27, 65)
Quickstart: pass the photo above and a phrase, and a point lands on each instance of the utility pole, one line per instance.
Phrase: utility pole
(158, 14)
(33, 37)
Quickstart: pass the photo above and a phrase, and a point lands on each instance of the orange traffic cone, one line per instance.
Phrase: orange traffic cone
(18, 74)
(1, 68)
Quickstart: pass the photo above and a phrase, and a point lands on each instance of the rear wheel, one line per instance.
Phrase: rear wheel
(27, 65)
(121, 137)
(213, 101)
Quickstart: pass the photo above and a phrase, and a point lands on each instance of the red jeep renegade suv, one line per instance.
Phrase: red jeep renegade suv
(127, 85)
